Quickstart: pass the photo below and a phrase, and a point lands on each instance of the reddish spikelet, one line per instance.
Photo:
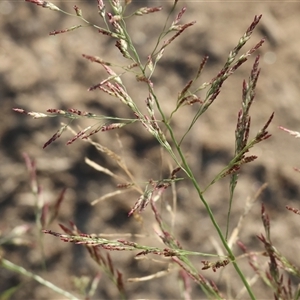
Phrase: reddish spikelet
(142, 78)
(120, 93)
(253, 24)
(214, 265)
(107, 32)
(202, 64)
(122, 46)
(112, 247)
(179, 15)
(245, 89)
(206, 264)
(263, 134)
(294, 210)
(242, 246)
(79, 112)
(185, 89)
(56, 111)
(120, 283)
(255, 71)
(154, 124)
(220, 264)
(150, 105)
(112, 126)
(274, 268)
(239, 124)
(180, 29)
(92, 132)
(101, 5)
(44, 4)
(167, 252)
(20, 110)
(129, 67)
(124, 185)
(254, 267)
(96, 59)
(52, 233)
(77, 11)
(37, 2)
(248, 159)
(258, 45)
(245, 38)
(262, 238)
(174, 172)
(145, 252)
(113, 20)
(109, 70)
(147, 10)
(35, 115)
(218, 79)
(127, 243)
(159, 188)
(141, 204)
(55, 32)
(234, 169)
(99, 86)
(190, 100)
(236, 66)
(242, 125)
(214, 95)
(265, 220)
(55, 136)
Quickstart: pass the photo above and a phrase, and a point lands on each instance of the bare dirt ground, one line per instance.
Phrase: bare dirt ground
(38, 71)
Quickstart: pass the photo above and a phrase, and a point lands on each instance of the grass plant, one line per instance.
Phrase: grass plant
(113, 18)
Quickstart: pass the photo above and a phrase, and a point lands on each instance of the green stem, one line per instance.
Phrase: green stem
(11, 266)
(232, 186)
(210, 213)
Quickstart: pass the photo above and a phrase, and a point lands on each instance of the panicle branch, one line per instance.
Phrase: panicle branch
(296, 134)
(44, 4)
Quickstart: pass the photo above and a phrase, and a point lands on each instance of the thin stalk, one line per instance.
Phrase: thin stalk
(232, 186)
(13, 267)
(210, 213)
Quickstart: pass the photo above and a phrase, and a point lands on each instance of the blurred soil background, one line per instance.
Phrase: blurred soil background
(38, 71)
